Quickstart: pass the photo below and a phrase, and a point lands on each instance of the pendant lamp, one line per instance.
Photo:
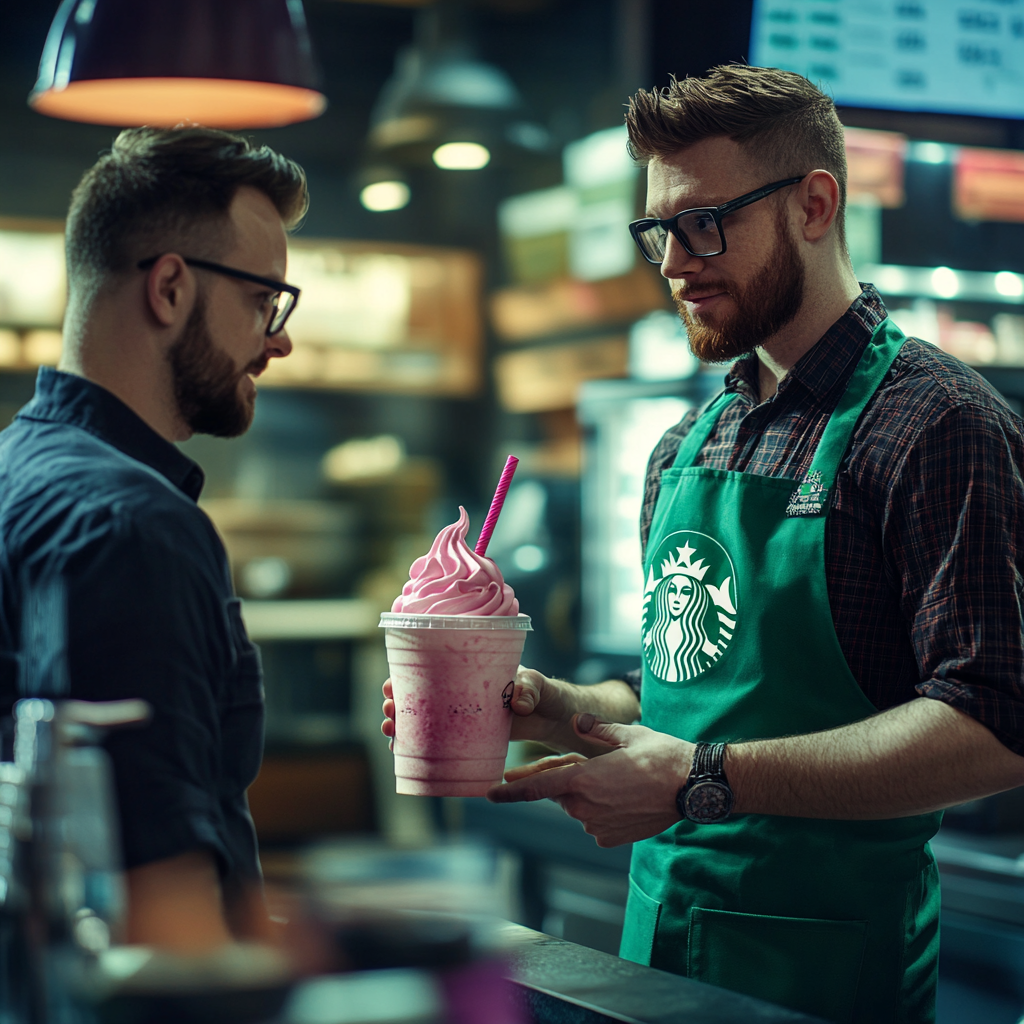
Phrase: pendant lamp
(446, 105)
(221, 63)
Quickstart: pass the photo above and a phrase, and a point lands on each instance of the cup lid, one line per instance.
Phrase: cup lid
(402, 620)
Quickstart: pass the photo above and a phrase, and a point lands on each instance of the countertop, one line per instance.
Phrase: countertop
(563, 983)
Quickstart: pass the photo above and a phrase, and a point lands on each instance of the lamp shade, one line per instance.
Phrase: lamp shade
(221, 63)
(442, 94)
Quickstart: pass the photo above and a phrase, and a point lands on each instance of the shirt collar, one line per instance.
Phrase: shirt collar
(829, 361)
(77, 402)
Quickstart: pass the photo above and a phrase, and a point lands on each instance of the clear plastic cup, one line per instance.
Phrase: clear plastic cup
(453, 677)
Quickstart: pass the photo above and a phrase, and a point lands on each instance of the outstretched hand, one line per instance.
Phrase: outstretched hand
(624, 796)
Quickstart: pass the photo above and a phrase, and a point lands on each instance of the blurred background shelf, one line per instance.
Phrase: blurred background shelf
(327, 619)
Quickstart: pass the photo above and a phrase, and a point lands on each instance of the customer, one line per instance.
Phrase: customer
(832, 625)
(176, 253)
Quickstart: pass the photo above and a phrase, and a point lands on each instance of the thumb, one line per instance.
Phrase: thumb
(526, 694)
(591, 728)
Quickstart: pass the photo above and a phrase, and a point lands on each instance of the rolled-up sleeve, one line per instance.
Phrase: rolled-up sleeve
(952, 535)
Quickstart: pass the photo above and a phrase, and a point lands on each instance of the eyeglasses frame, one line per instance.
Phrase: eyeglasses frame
(671, 224)
(241, 275)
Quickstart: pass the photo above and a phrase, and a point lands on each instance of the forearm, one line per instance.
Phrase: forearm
(911, 759)
(175, 904)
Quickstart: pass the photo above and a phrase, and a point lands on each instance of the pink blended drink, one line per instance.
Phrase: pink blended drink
(454, 639)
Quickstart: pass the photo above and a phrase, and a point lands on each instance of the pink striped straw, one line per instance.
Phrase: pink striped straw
(496, 502)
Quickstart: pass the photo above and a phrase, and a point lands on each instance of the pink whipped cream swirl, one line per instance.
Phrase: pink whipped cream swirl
(452, 579)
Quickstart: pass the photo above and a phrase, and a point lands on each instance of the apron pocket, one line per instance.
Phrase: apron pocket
(802, 963)
(640, 927)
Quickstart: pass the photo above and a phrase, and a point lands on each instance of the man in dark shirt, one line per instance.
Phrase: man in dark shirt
(832, 625)
(114, 583)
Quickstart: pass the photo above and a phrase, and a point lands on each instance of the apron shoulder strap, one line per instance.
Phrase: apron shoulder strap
(707, 417)
(875, 361)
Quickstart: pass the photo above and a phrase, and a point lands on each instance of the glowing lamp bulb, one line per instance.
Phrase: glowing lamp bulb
(462, 156)
(1009, 284)
(382, 196)
(945, 282)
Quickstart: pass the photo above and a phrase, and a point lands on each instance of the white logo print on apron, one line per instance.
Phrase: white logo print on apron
(689, 612)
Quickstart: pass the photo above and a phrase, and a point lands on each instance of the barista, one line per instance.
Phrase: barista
(832, 629)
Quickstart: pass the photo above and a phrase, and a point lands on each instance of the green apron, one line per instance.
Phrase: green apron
(833, 918)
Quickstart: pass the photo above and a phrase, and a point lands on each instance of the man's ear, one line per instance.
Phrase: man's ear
(170, 290)
(818, 197)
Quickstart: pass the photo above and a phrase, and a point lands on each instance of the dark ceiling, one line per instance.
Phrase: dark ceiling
(566, 56)
(575, 61)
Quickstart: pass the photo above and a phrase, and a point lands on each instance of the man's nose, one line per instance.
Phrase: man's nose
(678, 261)
(278, 345)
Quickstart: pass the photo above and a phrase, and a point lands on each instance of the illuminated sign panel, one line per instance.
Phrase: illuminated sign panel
(989, 185)
(874, 162)
(946, 56)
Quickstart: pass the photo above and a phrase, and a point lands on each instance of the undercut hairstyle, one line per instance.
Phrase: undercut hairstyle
(169, 190)
(786, 125)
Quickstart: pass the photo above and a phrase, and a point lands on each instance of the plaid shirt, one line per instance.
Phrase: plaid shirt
(924, 543)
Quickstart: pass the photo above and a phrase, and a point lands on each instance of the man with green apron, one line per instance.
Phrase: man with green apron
(796, 750)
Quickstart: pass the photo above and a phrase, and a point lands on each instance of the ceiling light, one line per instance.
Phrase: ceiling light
(441, 90)
(1009, 284)
(382, 196)
(221, 63)
(929, 152)
(945, 282)
(462, 156)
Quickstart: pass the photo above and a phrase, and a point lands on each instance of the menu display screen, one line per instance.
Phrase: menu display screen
(943, 56)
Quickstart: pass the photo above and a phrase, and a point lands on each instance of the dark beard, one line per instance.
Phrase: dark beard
(769, 302)
(206, 381)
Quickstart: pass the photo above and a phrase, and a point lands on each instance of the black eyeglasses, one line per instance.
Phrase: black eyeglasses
(699, 230)
(282, 301)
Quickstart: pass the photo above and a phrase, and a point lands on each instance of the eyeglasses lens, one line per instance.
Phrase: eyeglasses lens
(699, 230)
(283, 303)
(652, 243)
(701, 233)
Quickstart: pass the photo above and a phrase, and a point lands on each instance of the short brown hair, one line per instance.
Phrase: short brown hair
(168, 189)
(784, 122)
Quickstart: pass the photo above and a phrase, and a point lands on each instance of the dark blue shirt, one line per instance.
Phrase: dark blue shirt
(114, 584)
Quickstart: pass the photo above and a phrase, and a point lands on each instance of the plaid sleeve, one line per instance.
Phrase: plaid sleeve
(952, 534)
(661, 459)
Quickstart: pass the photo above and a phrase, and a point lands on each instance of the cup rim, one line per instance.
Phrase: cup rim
(483, 623)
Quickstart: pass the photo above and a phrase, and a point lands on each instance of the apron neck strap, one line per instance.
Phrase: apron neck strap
(875, 361)
(701, 430)
(885, 344)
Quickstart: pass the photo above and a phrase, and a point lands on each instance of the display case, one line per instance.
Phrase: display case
(623, 420)
(372, 316)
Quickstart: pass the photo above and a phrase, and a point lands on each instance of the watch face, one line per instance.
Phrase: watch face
(708, 802)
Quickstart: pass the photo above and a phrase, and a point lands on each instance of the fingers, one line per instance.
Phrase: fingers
(388, 725)
(542, 765)
(592, 729)
(542, 785)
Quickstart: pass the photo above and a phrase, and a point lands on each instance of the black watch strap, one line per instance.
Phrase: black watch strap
(708, 762)
(706, 798)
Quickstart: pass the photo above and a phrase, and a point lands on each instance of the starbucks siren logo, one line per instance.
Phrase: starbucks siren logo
(689, 609)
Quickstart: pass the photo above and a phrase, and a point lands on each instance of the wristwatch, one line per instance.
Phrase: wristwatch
(706, 798)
